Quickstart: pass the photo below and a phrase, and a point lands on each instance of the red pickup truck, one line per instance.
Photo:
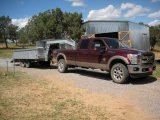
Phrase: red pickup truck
(107, 54)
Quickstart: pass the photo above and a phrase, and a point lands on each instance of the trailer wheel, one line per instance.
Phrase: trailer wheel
(28, 64)
(119, 73)
(62, 66)
(22, 64)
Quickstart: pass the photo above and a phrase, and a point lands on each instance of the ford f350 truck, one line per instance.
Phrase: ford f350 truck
(107, 54)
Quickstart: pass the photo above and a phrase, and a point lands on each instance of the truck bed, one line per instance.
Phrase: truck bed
(30, 54)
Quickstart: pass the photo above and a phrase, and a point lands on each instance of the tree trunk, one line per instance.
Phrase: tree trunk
(5, 40)
(16, 43)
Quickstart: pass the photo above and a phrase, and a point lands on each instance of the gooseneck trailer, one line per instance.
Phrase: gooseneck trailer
(42, 53)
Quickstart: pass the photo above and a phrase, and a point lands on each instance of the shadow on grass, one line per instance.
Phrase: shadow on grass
(37, 66)
(45, 67)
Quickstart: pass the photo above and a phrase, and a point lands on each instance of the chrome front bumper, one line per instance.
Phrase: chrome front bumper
(138, 69)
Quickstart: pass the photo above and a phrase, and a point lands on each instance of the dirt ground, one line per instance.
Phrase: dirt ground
(121, 108)
(138, 99)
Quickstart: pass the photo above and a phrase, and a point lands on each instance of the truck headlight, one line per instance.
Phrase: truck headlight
(133, 58)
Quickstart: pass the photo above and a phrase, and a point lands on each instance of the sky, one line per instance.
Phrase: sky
(146, 11)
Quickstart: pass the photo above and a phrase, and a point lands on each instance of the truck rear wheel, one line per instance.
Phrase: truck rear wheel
(62, 66)
(119, 73)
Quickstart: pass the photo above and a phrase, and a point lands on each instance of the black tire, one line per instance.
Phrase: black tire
(48, 64)
(28, 64)
(119, 73)
(62, 66)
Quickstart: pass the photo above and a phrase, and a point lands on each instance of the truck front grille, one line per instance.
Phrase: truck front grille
(147, 59)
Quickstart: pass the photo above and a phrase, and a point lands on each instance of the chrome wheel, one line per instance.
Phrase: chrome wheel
(61, 66)
(118, 73)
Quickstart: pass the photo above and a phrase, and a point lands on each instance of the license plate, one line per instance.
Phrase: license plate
(150, 69)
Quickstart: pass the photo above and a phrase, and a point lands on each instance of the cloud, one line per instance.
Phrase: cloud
(107, 13)
(154, 23)
(154, 15)
(125, 10)
(133, 10)
(22, 22)
(155, 0)
(77, 3)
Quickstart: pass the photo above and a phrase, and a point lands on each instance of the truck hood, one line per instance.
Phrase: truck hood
(128, 51)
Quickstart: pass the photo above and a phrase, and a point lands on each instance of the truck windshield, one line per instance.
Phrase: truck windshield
(114, 43)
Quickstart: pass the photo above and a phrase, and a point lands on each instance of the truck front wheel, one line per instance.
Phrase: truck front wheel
(119, 73)
(62, 66)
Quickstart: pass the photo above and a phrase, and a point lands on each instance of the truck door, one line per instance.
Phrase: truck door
(82, 56)
(97, 55)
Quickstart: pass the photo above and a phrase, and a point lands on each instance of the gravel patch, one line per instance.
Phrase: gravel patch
(141, 92)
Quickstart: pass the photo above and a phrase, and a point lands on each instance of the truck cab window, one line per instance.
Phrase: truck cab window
(84, 44)
(97, 45)
(114, 43)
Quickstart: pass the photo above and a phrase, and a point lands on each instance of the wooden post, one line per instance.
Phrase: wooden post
(7, 65)
(14, 66)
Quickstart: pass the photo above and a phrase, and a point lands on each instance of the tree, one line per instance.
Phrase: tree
(22, 35)
(154, 35)
(53, 24)
(4, 26)
(7, 30)
(12, 32)
(72, 24)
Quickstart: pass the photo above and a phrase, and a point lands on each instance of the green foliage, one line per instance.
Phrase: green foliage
(6, 53)
(4, 26)
(23, 37)
(7, 30)
(154, 35)
(12, 31)
(52, 24)
(157, 72)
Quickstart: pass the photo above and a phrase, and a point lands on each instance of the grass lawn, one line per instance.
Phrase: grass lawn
(7, 53)
(23, 97)
(157, 72)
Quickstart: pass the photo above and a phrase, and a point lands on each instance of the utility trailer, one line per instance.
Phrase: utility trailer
(42, 53)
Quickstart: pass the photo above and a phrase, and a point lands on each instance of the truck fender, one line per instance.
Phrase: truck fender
(121, 58)
(60, 56)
